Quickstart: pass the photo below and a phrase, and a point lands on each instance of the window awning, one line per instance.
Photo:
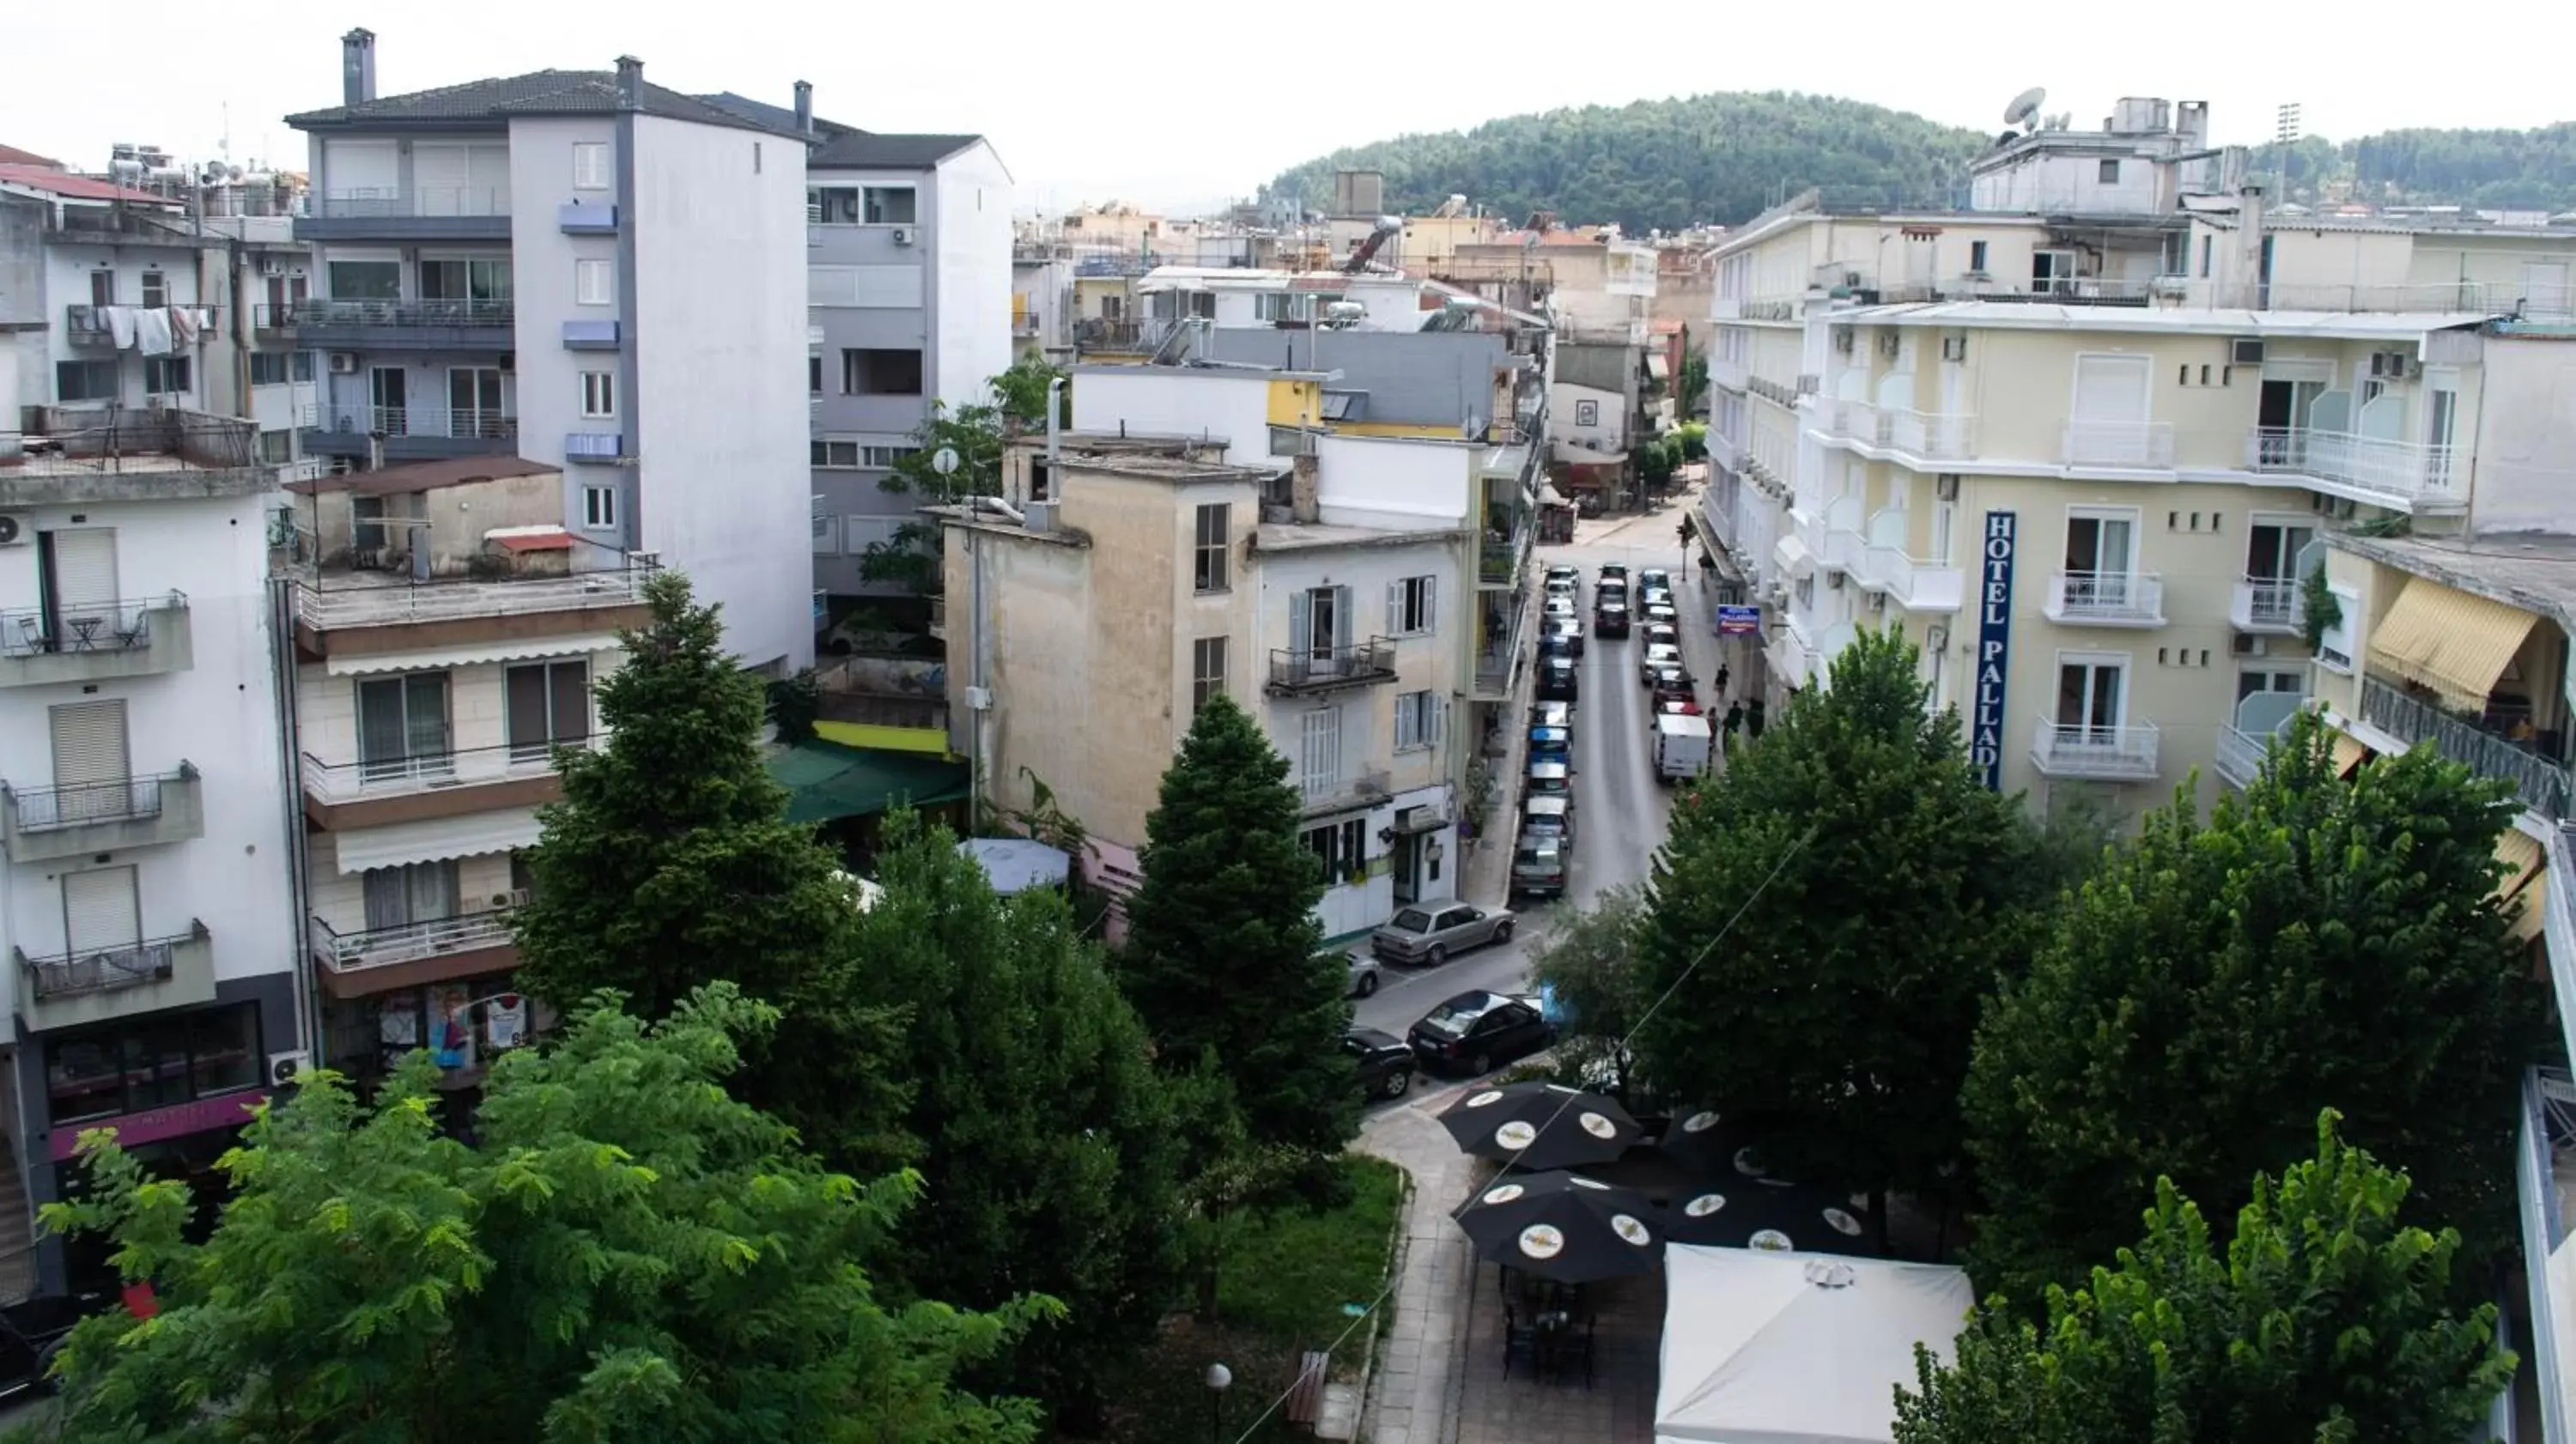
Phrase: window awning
(2349, 753)
(503, 829)
(2448, 640)
(522, 649)
(2526, 879)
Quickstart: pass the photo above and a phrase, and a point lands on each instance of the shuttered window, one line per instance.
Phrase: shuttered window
(549, 703)
(101, 913)
(1319, 750)
(92, 773)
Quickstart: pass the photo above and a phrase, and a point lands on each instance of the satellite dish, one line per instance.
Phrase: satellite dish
(944, 461)
(2024, 106)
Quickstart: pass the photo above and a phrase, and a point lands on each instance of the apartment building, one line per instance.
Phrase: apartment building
(154, 983)
(442, 630)
(585, 269)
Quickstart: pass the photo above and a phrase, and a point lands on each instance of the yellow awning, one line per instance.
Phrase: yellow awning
(2348, 754)
(2450, 641)
(2526, 877)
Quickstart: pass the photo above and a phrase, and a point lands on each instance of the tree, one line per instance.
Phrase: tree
(1020, 391)
(1588, 958)
(1221, 956)
(2323, 1319)
(1834, 908)
(2319, 943)
(627, 1252)
(1048, 1149)
(976, 433)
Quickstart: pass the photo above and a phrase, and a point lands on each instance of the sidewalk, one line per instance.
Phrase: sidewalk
(1413, 1395)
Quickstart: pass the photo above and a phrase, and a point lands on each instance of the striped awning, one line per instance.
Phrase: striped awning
(521, 649)
(476, 834)
(2526, 878)
(2448, 640)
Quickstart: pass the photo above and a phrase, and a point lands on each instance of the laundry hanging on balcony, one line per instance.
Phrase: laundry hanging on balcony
(2448, 640)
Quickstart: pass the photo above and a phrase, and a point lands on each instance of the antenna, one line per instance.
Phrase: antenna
(2024, 106)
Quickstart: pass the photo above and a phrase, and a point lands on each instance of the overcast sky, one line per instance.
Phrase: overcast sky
(1175, 105)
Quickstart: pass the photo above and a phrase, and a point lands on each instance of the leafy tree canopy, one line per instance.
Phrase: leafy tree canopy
(1588, 956)
(976, 432)
(2324, 1318)
(626, 1253)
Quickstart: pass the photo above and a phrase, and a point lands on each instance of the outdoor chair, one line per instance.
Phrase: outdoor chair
(1520, 1341)
(1573, 1346)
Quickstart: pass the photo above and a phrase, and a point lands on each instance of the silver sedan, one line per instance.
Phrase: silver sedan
(1430, 933)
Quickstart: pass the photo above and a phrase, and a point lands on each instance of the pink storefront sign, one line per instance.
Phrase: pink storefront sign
(229, 1110)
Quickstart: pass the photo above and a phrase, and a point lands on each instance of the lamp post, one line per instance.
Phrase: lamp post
(1219, 1379)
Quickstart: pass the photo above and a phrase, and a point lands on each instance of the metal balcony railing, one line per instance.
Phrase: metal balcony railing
(1322, 669)
(456, 423)
(408, 942)
(2134, 599)
(2062, 749)
(2407, 469)
(109, 440)
(323, 608)
(405, 314)
(124, 626)
(2240, 756)
(2144, 444)
(335, 782)
(365, 203)
(2266, 604)
(102, 970)
(124, 799)
(2542, 785)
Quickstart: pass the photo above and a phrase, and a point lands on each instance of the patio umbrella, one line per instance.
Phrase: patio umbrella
(1539, 1126)
(1562, 1226)
(1769, 1216)
(1713, 1145)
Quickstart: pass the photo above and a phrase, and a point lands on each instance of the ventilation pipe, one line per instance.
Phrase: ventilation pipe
(805, 107)
(630, 83)
(358, 67)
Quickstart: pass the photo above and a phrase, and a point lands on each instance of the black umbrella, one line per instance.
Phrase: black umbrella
(1712, 1144)
(1539, 1126)
(1562, 1226)
(1775, 1217)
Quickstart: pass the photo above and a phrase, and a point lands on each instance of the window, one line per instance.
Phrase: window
(156, 289)
(408, 893)
(2090, 693)
(548, 705)
(165, 375)
(827, 536)
(402, 727)
(302, 366)
(474, 403)
(832, 205)
(1207, 671)
(836, 453)
(84, 381)
(599, 508)
(590, 165)
(102, 288)
(2205, 249)
(880, 373)
(2255, 680)
(267, 368)
(1339, 850)
(885, 456)
(593, 284)
(1409, 610)
(2110, 172)
(1417, 720)
(277, 447)
(814, 375)
(598, 393)
(367, 522)
(1285, 306)
(1319, 750)
(890, 206)
(153, 1062)
(1977, 257)
(366, 280)
(487, 279)
(1209, 561)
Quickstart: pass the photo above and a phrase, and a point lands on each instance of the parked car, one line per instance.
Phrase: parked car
(1552, 714)
(1429, 933)
(1663, 632)
(1565, 587)
(1382, 1061)
(1656, 655)
(32, 1333)
(1671, 707)
(1664, 612)
(1364, 973)
(1672, 684)
(1565, 572)
(1538, 865)
(1557, 679)
(1656, 578)
(1610, 618)
(1548, 816)
(1551, 744)
(1552, 645)
(1477, 1031)
(1548, 779)
(1610, 570)
(1568, 630)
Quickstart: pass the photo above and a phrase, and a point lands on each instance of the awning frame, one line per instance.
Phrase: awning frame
(2456, 643)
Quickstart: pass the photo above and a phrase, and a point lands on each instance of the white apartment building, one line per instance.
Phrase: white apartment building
(582, 269)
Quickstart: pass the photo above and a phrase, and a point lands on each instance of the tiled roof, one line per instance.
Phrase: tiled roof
(11, 155)
(540, 92)
(76, 187)
(423, 476)
(859, 150)
(775, 117)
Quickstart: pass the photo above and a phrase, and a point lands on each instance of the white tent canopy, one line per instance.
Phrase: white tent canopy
(1790, 1348)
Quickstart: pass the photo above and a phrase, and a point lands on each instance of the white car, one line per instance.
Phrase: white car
(1656, 655)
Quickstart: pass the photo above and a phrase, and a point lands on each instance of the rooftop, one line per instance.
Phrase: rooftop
(419, 476)
(99, 456)
(1170, 468)
(2533, 571)
(71, 187)
(839, 146)
(1282, 536)
(539, 92)
(2044, 316)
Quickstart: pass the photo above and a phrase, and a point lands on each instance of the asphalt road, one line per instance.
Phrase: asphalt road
(1620, 810)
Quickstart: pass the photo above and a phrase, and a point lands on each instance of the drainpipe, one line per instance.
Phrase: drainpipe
(1055, 433)
(306, 990)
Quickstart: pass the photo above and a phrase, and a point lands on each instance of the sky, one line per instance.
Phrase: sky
(1180, 107)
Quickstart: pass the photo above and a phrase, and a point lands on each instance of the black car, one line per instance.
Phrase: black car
(1557, 679)
(1569, 632)
(1475, 1031)
(1610, 570)
(1556, 644)
(1538, 865)
(1610, 618)
(1382, 1061)
(32, 1332)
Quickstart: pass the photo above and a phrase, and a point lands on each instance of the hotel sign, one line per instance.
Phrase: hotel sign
(1994, 646)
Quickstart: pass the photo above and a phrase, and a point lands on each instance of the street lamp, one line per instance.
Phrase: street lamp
(1219, 1379)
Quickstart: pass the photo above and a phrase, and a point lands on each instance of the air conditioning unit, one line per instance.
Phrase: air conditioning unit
(2390, 365)
(1945, 487)
(1878, 601)
(516, 897)
(13, 532)
(1954, 348)
(509, 361)
(282, 1067)
(1834, 581)
(2245, 351)
(903, 235)
(1888, 341)
(344, 363)
(2252, 646)
(272, 268)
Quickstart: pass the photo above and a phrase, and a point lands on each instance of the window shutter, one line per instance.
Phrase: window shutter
(1301, 624)
(1439, 720)
(1394, 608)
(1342, 617)
(100, 911)
(1430, 603)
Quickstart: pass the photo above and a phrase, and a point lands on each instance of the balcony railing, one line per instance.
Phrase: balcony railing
(337, 782)
(1729, 374)
(458, 423)
(324, 608)
(1094, 334)
(409, 942)
(105, 970)
(1917, 584)
(2107, 599)
(2110, 753)
(419, 201)
(1792, 652)
(1324, 669)
(449, 314)
(2406, 469)
(1335, 789)
(2266, 604)
(2240, 756)
(125, 799)
(77, 627)
(2142, 444)
(2542, 785)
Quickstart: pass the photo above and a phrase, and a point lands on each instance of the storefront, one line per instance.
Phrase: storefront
(463, 1022)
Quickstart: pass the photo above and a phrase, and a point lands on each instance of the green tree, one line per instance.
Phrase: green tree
(1222, 943)
(626, 1253)
(2319, 943)
(1020, 391)
(1588, 957)
(977, 434)
(2323, 1319)
(1838, 1001)
(1048, 1149)
(1657, 459)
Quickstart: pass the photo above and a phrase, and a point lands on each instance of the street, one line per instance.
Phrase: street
(1620, 810)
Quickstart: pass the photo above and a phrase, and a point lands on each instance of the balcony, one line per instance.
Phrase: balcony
(2107, 754)
(939, 617)
(413, 433)
(593, 335)
(411, 955)
(100, 642)
(47, 824)
(2266, 606)
(1025, 325)
(1916, 584)
(1093, 333)
(2240, 756)
(424, 213)
(343, 795)
(596, 448)
(1729, 375)
(1311, 671)
(463, 325)
(2118, 445)
(2542, 785)
(274, 325)
(357, 613)
(2106, 599)
(109, 453)
(587, 218)
(69, 989)
(1338, 793)
(1498, 664)
(1792, 654)
(2400, 474)
(2545, 1180)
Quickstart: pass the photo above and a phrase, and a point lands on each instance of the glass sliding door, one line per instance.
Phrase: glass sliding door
(402, 728)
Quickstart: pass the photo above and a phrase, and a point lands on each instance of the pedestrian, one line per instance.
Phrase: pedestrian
(1721, 681)
(1753, 721)
(1734, 720)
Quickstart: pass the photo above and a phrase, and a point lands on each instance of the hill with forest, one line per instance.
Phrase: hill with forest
(1726, 157)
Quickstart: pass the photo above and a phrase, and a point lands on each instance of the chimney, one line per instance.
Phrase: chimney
(805, 107)
(630, 83)
(2249, 237)
(1304, 503)
(357, 67)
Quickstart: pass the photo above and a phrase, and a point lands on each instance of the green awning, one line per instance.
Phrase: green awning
(825, 780)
